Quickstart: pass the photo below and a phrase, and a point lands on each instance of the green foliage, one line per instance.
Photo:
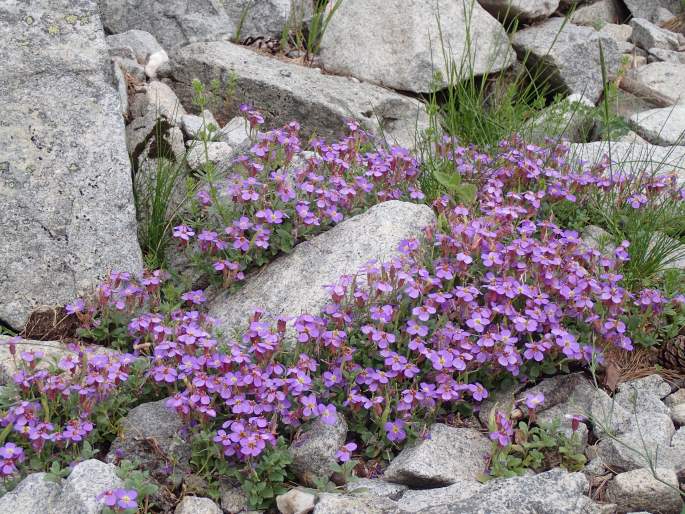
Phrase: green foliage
(138, 479)
(451, 181)
(318, 25)
(537, 448)
(268, 477)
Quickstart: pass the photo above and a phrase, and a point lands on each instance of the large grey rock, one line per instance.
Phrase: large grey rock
(524, 10)
(375, 487)
(286, 92)
(151, 434)
(661, 55)
(641, 490)
(313, 450)
(643, 395)
(446, 456)
(401, 46)
(197, 505)
(663, 79)
(649, 9)
(648, 438)
(648, 35)
(343, 250)
(678, 414)
(650, 385)
(568, 56)
(67, 212)
(678, 439)
(173, 22)
(267, 18)
(633, 158)
(551, 492)
(665, 126)
(675, 399)
(603, 11)
(620, 33)
(343, 504)
(575, 395)
(85, 483)
(33, 495)
(415, 501)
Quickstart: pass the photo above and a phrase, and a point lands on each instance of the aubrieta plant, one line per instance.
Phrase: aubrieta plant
(279, 194)
(496, 290)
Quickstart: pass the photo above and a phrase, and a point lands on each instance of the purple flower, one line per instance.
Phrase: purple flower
(534, 400)
(328, 414)
(126, 498)
(76, 307)
(344, 453)
(108, 498)
(395, 430)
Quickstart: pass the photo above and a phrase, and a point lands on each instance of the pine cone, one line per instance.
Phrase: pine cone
(672, 353)
(675, 24)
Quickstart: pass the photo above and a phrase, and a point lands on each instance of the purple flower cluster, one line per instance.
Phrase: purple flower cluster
(72, 389)
(495, 290)
(279, 194)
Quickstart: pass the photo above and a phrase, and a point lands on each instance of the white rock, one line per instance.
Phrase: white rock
(85, 483)
(649, 434)
(678, 440)
(155, 62)
(523, 10)
(197, 505)
(552, 492)
(665, 126)
(618, 32)
(236, 132)
(416, 501)
(648, 35)
(321, 261)
(193, 125)
(603, 11)
(35, 494)
(641, 490)
(142, 44)
(375, 487)
(678, 414)
(569, 55)
(445, 457)
(296, 501)
(633, 158)
(285, 92)
(677, 398)
(400, 44)
(659, 54)
(663, 79)
(219, 153)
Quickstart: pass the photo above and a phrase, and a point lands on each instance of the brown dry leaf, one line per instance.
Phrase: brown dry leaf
(612, 376)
